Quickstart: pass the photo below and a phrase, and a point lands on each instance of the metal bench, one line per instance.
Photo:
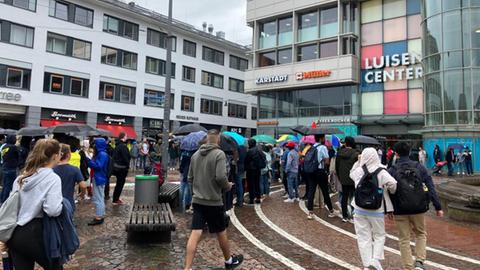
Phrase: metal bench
(150, 223)
(169, 193)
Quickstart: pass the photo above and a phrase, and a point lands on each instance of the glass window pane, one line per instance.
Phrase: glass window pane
(125, 94)
(434, 119)
(266, 59)
(81, 49)
(112, 25)
(434, 35)
(414, 26)
(308, 26)
(56, 84)
(415, 98)
(371, 11)
(395, 29)
(18, 35)
(267, 105)
(432, 7)
(14, 77)
(83, 16)
(396, 102)
(328, 22)
(413, 7)
(451, 4)
(61, 11)
(452, 31)
(372, 33)
(308, 103)
(454, 92)
(76, 87)
(285, 56)
(109, 92)
(372, 103)
(433, 92)
(370, 52)
(394, 84)
(328, 49)
(268, 35)
(476, 88)
(415, 47)
(453, 59)
(285, 31)
(307, 52)
(394, 8)
(286, 104)
(475, 26)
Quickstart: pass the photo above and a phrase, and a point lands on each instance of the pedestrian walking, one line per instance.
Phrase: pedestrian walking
(99, 164)
(422, 156)
(315, 163)
(240, 175)
(185, 187)
(266, 172)
(415, 190)
(10, 157)
(121, 163)
(144, 149)
(450, 158)
(208, 176)
(373, 184)
(69, 175)
(40, 193)
(292, 173)
(437, 154)
(468, 160)
(346, 158)
(134, 154)
(254, 162)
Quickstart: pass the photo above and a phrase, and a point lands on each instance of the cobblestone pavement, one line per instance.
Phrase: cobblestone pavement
(273, 235)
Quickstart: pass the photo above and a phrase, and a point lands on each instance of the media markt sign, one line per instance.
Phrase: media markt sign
(403, 72)
(271, 79)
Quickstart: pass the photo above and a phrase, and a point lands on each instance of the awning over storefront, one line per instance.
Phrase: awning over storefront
(53, 122)
(116, 129)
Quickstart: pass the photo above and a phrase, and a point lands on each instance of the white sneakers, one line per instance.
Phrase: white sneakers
(288, 200)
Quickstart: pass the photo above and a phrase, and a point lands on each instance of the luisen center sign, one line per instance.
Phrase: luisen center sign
(402, 68)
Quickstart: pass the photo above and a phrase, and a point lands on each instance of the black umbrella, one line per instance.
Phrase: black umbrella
(99, 132)
(7, 131)
(71, 129)
(301, 129)
(365, 140)
(33, 131)
(323, 130)
(227, 144)
(187, 129)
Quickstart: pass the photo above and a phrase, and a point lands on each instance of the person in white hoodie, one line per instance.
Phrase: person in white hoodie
(40, 193)
(370, 224)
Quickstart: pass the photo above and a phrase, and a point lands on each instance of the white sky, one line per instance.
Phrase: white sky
(225, 15)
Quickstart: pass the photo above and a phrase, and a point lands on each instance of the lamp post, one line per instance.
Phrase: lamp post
(168, 83)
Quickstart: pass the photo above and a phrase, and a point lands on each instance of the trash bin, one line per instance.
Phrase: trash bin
(146, 189)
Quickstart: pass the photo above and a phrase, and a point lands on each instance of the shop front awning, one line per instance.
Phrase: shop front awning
(116, 129)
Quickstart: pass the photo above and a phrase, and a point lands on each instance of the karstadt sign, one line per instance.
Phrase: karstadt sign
(271, 79)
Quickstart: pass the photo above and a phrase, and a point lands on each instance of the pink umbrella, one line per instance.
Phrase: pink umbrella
(308, 139)
(328, 143)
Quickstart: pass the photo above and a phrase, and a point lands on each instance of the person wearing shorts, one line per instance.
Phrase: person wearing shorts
(208, 175)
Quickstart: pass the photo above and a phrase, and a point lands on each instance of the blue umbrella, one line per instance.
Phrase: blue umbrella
(239, 139)
(190, 142)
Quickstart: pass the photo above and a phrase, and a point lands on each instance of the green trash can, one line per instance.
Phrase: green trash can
(146, 189)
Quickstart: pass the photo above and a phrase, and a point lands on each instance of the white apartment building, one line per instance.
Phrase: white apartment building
(102, 62)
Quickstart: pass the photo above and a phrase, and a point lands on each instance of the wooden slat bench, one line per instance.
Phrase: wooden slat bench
(169, 193)
(150, 222)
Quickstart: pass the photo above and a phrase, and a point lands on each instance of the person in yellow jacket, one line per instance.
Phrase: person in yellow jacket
(75, 159)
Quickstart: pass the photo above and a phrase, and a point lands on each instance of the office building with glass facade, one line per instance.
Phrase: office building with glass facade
(396, 69)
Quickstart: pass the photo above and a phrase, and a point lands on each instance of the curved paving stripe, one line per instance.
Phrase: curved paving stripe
(287, 262)
(345, 232)
(300, 243)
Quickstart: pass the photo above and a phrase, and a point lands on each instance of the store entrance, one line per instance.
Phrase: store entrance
(12, 121)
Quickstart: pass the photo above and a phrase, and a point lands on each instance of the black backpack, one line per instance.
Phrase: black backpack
(367, 193)
(411, 196)
(310, 162)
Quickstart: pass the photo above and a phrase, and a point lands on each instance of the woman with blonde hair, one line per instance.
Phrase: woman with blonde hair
(40, 193)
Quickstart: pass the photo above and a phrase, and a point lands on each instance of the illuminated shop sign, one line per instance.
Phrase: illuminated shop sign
(271, 79)
(313, 74)
(111, 120)
(267, 123)
(57, 115)
(396, 60)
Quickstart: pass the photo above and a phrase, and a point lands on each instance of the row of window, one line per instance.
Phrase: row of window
(19, 78)
(303, 53)
(25, 4)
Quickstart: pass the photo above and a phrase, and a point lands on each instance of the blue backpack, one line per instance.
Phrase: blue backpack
(310, 163)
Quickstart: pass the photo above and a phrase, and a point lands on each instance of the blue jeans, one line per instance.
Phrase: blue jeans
(239, 188)
(264, 184)
(9, 177)
(450, 168)
(468, 166)
(185, 194)
(143, 160)
(292, 180)
(98, 199)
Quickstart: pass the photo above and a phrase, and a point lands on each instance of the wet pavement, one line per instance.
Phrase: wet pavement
(273, 235)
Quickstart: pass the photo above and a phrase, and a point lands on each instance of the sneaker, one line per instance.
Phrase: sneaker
(297, 199)
(236, 261)
(331, 214)
(289, 200)
(285, 196)
(310, 216)
(95, 222)
(344, 220)
(419, 265)
(118, 202)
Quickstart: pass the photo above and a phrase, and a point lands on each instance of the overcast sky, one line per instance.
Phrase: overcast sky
(225, 15)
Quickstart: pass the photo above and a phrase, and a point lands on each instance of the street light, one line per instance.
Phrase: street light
(168, 83)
